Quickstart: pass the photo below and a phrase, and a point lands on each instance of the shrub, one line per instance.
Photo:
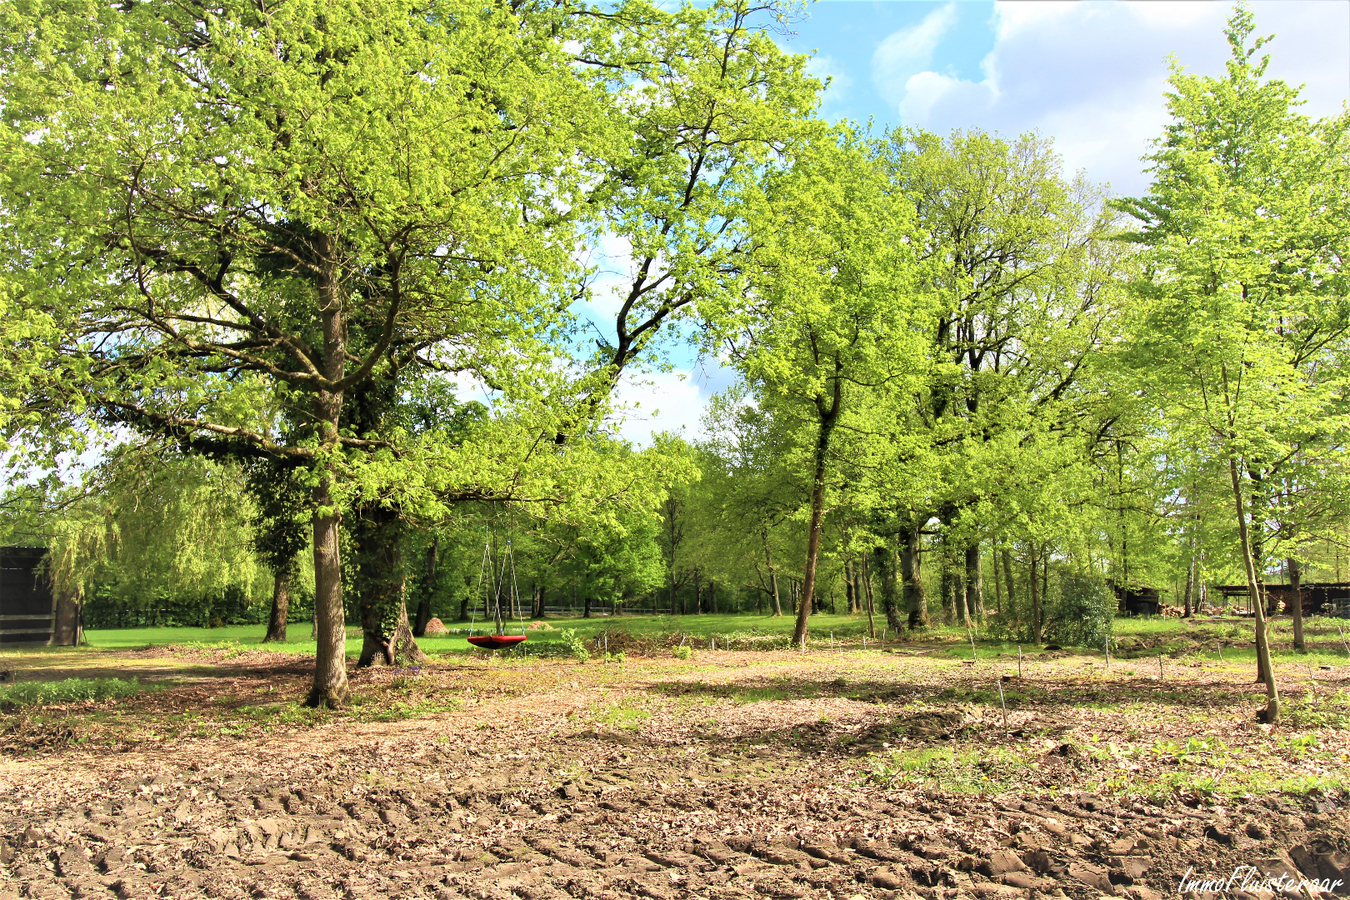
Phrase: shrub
(1081, 613)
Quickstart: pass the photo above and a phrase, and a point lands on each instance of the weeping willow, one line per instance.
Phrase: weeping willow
(149, 524)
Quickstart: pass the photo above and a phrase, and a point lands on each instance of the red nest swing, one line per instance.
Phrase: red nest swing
(496, 641)
(500, 640)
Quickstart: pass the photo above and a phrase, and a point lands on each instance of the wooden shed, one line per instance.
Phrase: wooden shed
(1319, 598)
(1140, 601)
(28, 612)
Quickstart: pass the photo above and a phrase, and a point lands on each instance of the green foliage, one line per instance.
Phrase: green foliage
(69, 690)
(1082, 612)
(575, 644)
(976, 771)
(1317, 710)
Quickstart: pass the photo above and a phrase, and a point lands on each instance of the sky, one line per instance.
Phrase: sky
(1090, 74)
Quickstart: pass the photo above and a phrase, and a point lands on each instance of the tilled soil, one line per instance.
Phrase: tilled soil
(584, 785)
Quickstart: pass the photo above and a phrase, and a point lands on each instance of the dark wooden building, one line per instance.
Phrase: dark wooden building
(28, 612)
(1141, 601)
(1320, 598)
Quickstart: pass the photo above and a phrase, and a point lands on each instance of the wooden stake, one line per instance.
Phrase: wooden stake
(1160, 667)
(1019, 662)
(1343, 643)
(971, 634)
(1004, 704)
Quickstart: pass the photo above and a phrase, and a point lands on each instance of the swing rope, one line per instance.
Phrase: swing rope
(491, 579)
(515, 589)
(482, 567)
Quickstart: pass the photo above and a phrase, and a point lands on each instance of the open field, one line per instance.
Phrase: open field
(744, 773)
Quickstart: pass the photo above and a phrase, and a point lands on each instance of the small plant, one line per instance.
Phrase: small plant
(1317, 711)
(682, 652)
(987, 770)
(624, 716)
(574, 644)
(70, 690)
(618, 658)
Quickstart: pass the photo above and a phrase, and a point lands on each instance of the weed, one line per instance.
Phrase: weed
(1314, 710)
(683, 653)
(575, 644)
(622, 715)
(69, 690)
(982, 771)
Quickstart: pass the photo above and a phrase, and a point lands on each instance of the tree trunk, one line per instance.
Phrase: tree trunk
(712, 595)
(884, 559)
(1035, 598)
(281, 603)
(538, 611)
(866, 577)
(1188, 601)
(974, 583)
(850, 596)
(1258, 546)
(947, 586)
(1009, 577)
(386, 636)
(586, 612)
(998, 585)
(1296, 610)
(812, 546)
(777, 601)
(329, 687)
(1264, 672)
(330, 656)
(428, 587)
(911, 575)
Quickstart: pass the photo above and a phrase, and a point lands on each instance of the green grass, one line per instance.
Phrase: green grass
(974, 771)
(69, 690)
(736, 629)
(747, 631)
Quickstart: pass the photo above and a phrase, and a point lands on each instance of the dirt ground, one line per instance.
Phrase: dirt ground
(731, 775)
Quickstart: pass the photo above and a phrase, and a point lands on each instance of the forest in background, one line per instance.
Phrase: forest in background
(316, 298)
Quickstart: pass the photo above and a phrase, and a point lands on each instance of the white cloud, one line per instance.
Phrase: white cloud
(827, 68)
(649, 403)
(654, 402)
(909, 51)
(1092, 74)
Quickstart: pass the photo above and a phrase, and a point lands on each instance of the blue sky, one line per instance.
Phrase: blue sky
(1088, 73)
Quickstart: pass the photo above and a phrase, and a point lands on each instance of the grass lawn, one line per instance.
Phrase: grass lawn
(1223, 639)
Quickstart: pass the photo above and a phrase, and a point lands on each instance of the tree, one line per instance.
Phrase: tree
(834, 308)
(147, 529)
(1023, 285)
(225, 227)
(278, 533)
(1247, 308)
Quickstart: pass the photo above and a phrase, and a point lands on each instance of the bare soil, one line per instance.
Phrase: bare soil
(732, 775)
